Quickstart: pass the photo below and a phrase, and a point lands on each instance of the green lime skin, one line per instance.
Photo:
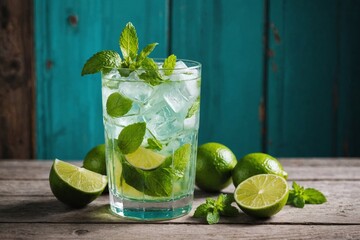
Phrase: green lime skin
(69, 195)
(95, 160)
(254, 164)
(213, 167)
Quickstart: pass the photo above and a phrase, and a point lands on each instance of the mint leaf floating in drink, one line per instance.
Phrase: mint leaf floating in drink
(117, 105)
(194, 108)
(154, 144)
(131, 137)
(169, 65)
(105, 59)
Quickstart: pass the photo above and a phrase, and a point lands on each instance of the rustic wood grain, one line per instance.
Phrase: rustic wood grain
(17, 79)
(32, 201)
(298, 169)
(174, 231)
(28, 210)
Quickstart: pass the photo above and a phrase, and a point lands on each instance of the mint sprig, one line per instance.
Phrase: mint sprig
(299, 196)
(212, 209)
(151, 74)
(104, 59)
(132, 60)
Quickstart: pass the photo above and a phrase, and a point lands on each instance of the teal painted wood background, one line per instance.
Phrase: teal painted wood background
(279, 76)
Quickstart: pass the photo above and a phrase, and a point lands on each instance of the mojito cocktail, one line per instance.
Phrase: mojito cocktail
(151, 120)
(151, 149)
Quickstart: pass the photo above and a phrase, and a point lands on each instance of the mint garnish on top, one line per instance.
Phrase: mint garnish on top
(132, 60)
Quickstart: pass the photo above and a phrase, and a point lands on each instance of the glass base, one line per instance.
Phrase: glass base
(151, 211)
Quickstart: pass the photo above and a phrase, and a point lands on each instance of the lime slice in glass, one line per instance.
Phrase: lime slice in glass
(262, 195)
(75, 186)
(145, 159)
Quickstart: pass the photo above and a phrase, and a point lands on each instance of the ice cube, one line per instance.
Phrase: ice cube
(136, 91)
(177, 96)
(162, 121)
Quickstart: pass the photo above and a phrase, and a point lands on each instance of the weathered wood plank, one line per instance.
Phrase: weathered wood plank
(17, 80)
(341, 207)
(304, 169)
(218, 34)
(174, 231)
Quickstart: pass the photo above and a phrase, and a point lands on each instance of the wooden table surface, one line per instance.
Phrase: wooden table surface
(28, 210)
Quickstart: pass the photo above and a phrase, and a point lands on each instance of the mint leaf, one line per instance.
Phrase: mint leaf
(299, 202)
(151, 74)
(117, 105)
(154, 144)
(299, 196)
(104, 59)
(145, 52)
(213, 217)
(129, 43)
(131, 137)
(213, 209)
(169, 64)
(201, 211)
(157, 183)
(230, 211)
(313, 196)
(194, 108)
(297, 188)
(182, 158)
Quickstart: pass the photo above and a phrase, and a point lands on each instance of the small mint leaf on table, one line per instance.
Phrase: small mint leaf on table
(299, 202)
(131, 137)
(129, 43)
(213, 217)
(313, 196)
(230, 211)
(169, 64)
(117, 105)
(99, 61)
(201, 211)
(145, 52)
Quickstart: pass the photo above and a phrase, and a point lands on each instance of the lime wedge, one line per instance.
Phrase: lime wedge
(145, 159)
(262, 195)
(75, 186)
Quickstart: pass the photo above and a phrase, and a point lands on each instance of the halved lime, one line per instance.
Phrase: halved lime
(75, 186)
(262, 195)
(145, 159)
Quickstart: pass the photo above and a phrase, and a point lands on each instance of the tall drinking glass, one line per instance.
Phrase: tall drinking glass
(151, 120)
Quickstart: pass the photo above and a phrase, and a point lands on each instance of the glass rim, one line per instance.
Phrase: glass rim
(195, 65)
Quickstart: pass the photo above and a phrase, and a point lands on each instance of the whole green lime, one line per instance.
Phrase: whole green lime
(95, 160)
(254, 164)
(213, 167)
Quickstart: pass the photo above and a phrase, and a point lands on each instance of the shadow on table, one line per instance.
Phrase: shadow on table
(51, 210)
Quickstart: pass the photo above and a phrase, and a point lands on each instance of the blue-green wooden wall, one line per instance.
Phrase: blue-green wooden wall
(279, 76)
